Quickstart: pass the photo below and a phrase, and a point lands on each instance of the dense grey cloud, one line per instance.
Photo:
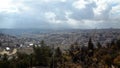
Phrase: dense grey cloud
(85, 13)
(59, 14)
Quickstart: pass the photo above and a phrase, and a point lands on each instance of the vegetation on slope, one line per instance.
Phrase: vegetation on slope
(75, 57)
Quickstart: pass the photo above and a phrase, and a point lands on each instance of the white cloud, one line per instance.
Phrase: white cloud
(80, 4)
(115, 12)
(102, 9)
(73, 23)
(47, 1)
(63, 0)
(70, 13)
(11, 6)
(6, 5)
(92, 23)
(51, 17)
(107, 9)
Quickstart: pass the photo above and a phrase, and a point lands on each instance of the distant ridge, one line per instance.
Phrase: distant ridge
(39, 31)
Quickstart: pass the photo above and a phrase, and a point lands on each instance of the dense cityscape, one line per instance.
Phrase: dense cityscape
(62, 38)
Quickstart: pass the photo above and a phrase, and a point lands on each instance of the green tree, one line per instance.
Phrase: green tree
(58, 52)
(4, 62)
(90, 48)
(23, 60)
(118, 44)
(56, 58)
(42, 43)
(42, 54)
(0, 44)
(99, 45)
(90, 44)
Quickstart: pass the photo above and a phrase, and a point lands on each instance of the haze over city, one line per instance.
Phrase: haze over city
(60, 14)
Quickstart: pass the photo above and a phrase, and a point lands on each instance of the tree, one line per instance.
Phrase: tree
(5, 57)
(71, 50)
(117, 61)
(118, 44)
(90, 45)
(42, 43)
(56, 58)
(4, 63)
(0, 44)
(42, 54)
(58, 52)
(112, 42)
(23, 60)
(107, 59)
(90, 48)
(99, 45)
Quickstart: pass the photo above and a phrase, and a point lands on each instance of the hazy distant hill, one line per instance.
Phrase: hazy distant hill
(42, 31)
(22, 31)
(33, 31)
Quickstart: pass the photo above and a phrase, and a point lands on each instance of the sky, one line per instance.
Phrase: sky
(60, 14)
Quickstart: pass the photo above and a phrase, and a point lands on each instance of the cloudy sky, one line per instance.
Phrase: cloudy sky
(60, 14)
